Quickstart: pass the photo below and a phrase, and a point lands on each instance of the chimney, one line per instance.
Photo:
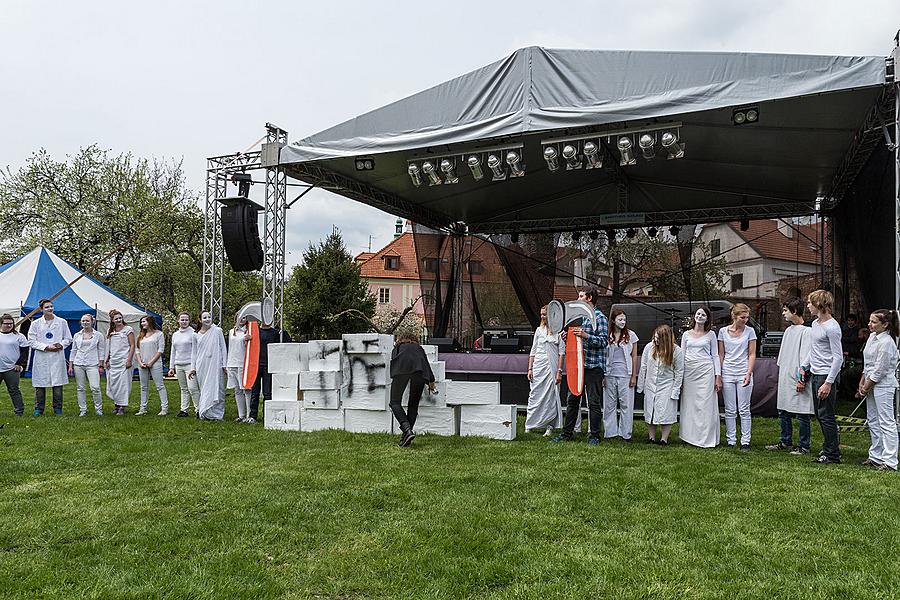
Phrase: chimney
(785, 229)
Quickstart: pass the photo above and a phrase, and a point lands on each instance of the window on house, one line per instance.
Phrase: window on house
(715, 247)
(392, 263)
(475, 267)
(384, 295)
(737, 282)
(428, 299)
(430, 265)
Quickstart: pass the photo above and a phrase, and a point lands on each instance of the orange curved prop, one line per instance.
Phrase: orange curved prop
(251, 356)
(574, 362)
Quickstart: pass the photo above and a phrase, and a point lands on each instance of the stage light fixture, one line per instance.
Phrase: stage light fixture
(365, 164)
(552, 158)
(745, 116)
(514, 238)
(745, 224)
(674, 230)
(415, 175)
(593, 156)
(646, 142)
(576, 235)
(431, 173)
(496, 166)
(630, 232)
(624, 144)
(449, 171)
(652, 232)
(570, 153)
(594, 235)
(670, 144)
(515, 164)
(475, 166)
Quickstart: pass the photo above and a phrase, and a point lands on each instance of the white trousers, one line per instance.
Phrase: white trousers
(241, 395)
(156, 372)
(882, 426)
(737, 401)
(190, 388)
(91, 377)
(618, 407)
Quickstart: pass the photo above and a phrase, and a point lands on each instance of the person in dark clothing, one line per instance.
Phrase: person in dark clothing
(409, 366)
(267, 335)
(850, 343)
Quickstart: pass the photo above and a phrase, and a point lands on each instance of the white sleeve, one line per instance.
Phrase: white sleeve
(534, 343)
(714, 352)
(33, 339)
(678, 367)
(161, 345)
(881, 366)
(837, 353)
(642, 374)
(101, 348)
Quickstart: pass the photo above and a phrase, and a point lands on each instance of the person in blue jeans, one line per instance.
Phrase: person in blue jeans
(793, 403)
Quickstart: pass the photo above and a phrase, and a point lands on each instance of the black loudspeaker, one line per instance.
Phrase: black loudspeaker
(505, 346)
(445, 344)
(240, 234)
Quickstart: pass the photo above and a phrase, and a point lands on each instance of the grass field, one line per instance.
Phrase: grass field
(140, 507)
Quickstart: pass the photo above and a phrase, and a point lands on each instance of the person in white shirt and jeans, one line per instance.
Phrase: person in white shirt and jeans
(14, 348)
(151, 344)
(85, 363)
(181, 357)
(878, 385)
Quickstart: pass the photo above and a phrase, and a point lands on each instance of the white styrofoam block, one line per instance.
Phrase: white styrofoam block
(367, 343)
(283, 358)
(321, 380)
(368, 370)
(439, 370)
(281, 414)
(437, 420)
(316, 419)
(322, 399)
(497, 422)
(363, 397)
(325, 355)
(429, 399)
(304, 357)
(284, 386)
(431, 352)
(368, 421)
(473, 392)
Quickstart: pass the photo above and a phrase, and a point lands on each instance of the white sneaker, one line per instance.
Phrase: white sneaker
(140, 413)
(250, 420)
(82, 413)
(549, 432)
(238, 419)
(99, 413)
(162, 413)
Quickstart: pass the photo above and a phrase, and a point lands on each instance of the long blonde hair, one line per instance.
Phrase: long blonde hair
(664, 345)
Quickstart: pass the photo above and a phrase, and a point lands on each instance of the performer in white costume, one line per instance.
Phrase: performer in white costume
(86, 363)
(737, 353)
(151, 344)
(209, 369)
(878, 385)
(699, 423)
(660, 379)
(49, 336)
(791, 402)
(237, 347)
(621, 378)
(14, 354)
(181, 357)
(545, 365)
(120, 347)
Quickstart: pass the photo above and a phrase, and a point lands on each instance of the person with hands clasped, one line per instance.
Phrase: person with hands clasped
(151, 343)
(737, 354)
(49, 336)
(181, 357)
(702, 382)
(545, 364)
(120, 345)
(86, 364)
(14, 349)
(621, 378)
(878, 385)
(660, 380)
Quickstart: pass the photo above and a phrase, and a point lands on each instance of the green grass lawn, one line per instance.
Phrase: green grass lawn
(140, 507)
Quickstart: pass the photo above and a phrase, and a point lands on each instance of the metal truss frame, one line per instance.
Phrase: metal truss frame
(274, 223)
(895, 85)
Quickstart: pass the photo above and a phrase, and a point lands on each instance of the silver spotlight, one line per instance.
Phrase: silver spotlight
(570, 153)
(449, 172)
(475, 166)
(593, 156)
(552, 158)
(431, 173)
(646, 142)
(514, 162)
(496, 166)
(671, 145)
(624, 144)
(414, 174)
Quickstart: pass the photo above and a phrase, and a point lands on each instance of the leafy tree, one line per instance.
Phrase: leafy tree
(325, 295)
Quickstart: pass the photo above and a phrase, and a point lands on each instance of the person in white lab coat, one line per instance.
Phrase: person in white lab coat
(120, 345)
(737, 354)
(209, 369)
(545, 364)
(151, 343)
(181, 357)
(621, 378)
(49, 337)
(878, 385)
(237, 347)
(791, 402)
(660, 379)
(699, 422)
(86, 362)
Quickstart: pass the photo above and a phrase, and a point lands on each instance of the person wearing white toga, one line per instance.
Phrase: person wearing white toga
(878, 385)
(120, 347)
(181, 357)
(237, 348)
(699, 422)
(737, 353)
(621, 378)
(49, 337)
(544, 374)
(86, 362)
(151, 344)
(209, 369)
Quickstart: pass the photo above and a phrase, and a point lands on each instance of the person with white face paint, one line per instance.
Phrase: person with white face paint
(14, 349)
(209, 369)
(699, 423)
(181, 357)
(120, 345)
(151, 344)
(86, 364)
(237, 347)
(660, 379)
(621, 378)
(49, 336)
(878, 385)
(545, 366)
(737, 354)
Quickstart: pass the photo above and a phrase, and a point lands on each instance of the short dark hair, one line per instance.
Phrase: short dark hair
(795, 305)
(44, 301)
(852, 316)
(7, 317)
(590, 291)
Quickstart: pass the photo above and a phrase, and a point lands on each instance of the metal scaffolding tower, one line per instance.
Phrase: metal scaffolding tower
(275, 218)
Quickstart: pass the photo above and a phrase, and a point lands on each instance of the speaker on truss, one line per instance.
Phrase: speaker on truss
(240, 234)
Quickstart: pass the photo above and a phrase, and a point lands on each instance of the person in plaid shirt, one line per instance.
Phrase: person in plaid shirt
(594, 352)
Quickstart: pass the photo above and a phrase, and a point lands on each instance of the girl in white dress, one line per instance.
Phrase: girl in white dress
(86, 364)
(151, 344)
(737, 353)
(120, 346)
(621, 378)
(545, 365)
(237, 347)
(209, 369)
(878, 385)
(699, 423)
(660, 379)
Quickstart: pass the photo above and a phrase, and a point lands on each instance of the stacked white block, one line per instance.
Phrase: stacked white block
(493, 421)
(316, 419)
(438, 399)
(282, 415)
(473, 392)
(367, 421)
(284, 386)
(325, 355)
(369, 384)
(439, 370)
(368, 343)
(322, 399)
(322, 385)
(285, 358)
(431, 352)
(435, 420)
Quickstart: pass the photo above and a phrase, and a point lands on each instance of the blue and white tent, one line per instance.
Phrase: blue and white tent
(41, 273)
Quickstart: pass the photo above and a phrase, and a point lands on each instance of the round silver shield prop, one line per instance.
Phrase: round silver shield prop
(556, 316)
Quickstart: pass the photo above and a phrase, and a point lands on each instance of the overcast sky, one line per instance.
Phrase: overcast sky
(186, 80)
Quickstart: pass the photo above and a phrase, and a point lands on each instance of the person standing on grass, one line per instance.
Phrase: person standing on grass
(14, 349)
(791, 402)
(878, 385)
(181, 357)
(595, 342)
(621, 378)
(237, 348)
(151, 343)
(49, 336)
(702, 382)
(86, 364)
(737, 354)
(823, 363)
(409, 367)
(545, 365)
(209, 369)
(660, 380)
(267, 335)
(120, 345)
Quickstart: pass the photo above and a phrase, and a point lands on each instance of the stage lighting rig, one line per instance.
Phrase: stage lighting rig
(475, 167)
(496, 166)
(431, 173)
(652, 232)
(449, 172)
(587, 151)
(365, 164)
(570, 153)
(593, 156)
(648, 146)
(674, 229)
(671, 146)
(415, 174)
(446, 169)
(745, 116)
(514, 161)
(551, 156)
(624, 144)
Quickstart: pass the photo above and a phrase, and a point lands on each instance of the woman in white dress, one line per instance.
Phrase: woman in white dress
(86, 364)
(237, 347)
(209, 369)
(120, 345)
(545, 364)
(151, 344)
(621, 378)
(699, 424)
(878, 385)
(660, 379)
(181, 357)
(737, 353)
